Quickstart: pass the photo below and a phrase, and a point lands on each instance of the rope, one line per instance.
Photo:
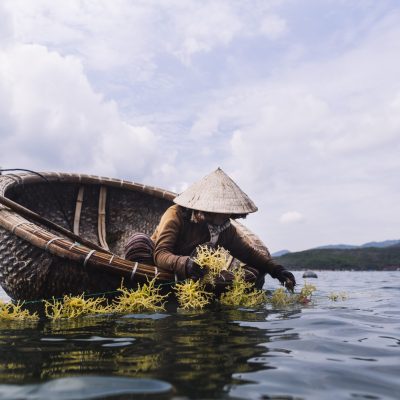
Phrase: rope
(134, 271)
(87, 257)
(17, 225)
(51, 241)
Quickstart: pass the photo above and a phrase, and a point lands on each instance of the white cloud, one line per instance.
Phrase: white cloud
(324, 137)
(105, 35)
(200, 26)
(291, 217)
(128, 150)
(6, 31)
(273, 26)
(108, 35)
(165, 92)
(56, 118)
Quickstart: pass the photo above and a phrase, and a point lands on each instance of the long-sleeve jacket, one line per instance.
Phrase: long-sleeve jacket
(176, 237)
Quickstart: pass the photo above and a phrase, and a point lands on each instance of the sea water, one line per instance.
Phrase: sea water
(345, 349)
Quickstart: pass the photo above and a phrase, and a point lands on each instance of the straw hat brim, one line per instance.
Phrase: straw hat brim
(216, 193)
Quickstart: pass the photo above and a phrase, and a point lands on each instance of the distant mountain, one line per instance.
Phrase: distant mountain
(385, 243)
(379, 245)
(360, 258)
(336, 246)
(280, 253)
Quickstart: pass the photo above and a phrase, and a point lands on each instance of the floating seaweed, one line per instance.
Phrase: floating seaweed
(15, 312)
(145, 298)
(282, 298)
(75, 306)
(306, 292)
(242, 293)
(338, 296)
(192, 295)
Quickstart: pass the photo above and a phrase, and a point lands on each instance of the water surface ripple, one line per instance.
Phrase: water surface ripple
(347, 349)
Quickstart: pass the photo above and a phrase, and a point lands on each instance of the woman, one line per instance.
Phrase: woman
(203, 214)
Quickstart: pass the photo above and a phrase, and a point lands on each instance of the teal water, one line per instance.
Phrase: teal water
(347, 349)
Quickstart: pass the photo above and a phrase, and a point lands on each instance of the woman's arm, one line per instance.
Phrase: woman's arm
(165, 238)
(241, 248)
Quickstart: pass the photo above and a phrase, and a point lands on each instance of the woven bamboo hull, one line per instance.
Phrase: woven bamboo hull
(37, 262)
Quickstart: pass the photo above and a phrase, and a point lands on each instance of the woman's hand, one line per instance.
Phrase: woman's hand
(194, 271)
(285, 277)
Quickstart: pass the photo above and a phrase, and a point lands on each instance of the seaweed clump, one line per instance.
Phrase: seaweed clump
(215, 260)
(15, 312)
(242, 293)
(192, 295)
(145, 298)
(282, 298)
(74, 306)
(338, 296)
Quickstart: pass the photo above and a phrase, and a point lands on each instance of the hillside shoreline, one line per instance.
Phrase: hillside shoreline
(360, 259)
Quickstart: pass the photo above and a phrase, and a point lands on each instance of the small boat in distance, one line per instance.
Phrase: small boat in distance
(65, 233)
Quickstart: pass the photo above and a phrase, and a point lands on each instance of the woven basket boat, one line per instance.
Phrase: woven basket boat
(82, 249)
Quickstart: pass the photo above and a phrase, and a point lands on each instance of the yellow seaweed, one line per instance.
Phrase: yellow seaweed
(15, 312)
(145, 298)
(192, 295)
(75, 306)
(214, 260)
(281, 297)
(306, 292)
(242, 293)
(338, 296)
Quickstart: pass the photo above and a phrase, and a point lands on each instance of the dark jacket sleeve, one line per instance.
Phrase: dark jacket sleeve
(241, 248)
(165, 238)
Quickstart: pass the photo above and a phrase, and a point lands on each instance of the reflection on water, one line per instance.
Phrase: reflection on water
(196, 352)
(327, 350)
(93, 387)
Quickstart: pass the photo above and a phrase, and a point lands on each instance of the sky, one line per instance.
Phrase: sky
(298, 101)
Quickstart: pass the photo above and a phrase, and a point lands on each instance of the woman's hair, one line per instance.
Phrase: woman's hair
(188, 214)
(232, 216)
(237, 216)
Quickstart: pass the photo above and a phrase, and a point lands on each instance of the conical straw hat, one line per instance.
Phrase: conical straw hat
(216, 193)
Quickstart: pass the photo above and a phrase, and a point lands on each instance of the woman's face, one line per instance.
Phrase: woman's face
(216, 219)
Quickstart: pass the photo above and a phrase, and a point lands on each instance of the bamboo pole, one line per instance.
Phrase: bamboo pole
(62, 248)
(44, 221)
